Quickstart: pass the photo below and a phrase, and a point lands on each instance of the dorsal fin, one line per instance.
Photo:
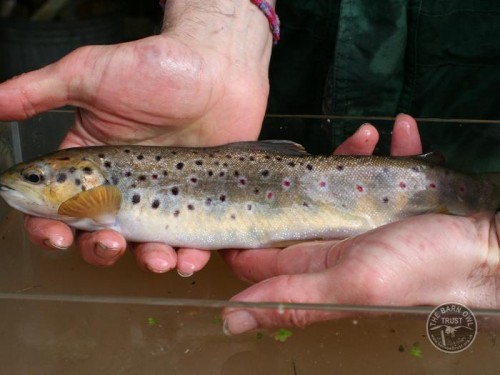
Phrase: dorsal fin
(274, 146)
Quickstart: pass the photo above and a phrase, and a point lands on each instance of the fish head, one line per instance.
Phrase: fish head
(40, 187)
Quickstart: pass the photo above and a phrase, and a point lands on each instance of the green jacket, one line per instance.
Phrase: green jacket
(428, 58)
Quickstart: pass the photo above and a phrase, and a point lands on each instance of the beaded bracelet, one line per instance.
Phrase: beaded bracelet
(268, 10)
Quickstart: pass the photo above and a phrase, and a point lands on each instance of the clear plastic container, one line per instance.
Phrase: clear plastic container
(59, 315)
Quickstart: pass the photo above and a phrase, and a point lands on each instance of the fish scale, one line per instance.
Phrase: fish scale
(242, 195)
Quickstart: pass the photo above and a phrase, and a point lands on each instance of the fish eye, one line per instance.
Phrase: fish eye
(33, 176)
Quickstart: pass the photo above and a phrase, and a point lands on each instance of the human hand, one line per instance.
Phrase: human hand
(426, 259)
(203, 81)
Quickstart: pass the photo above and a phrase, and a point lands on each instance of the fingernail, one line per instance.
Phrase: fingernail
(158, 265)
(185, 269)
(55, 243)
(239, 322)
(107, 250)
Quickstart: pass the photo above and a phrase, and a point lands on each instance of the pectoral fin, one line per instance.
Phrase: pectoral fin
(100, 204)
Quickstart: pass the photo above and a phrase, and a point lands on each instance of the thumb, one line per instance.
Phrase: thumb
(302, 288)
(32, 93)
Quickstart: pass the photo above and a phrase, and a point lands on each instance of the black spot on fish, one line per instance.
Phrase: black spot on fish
(158, 158)
(279, 158)
(305, 204)
(136, 198)
(264, 173)
(140, 157)
(340, 167)
(251, 158)
(385, 200)
(133, 186)
(208, 202)
(127, 151)
(309, 167)
(242, 158)
(115, 180)
(249, 207)
(291, 164)
(415, 169)
(190, 207)
(173, 152)
(233, 217)
(228, 156)
(211, 155)
(385, 170)
(165, 173)
(222, 198)
(256, 191)
(267, 157)
(236, 173)
(128, 174)
(242, 181)
(225, 165)
(72, 170)
(102, 156)
(155, 204)
(221, 174)
(210, 173)
(107, 164)
(194, 180)
(61, 177)
(217, 163)
(199, 162)
(179, 166)
(176, 213)
(66, 158)
(142, 178)
(78, 182)
(87, 170)
(175, 190)
(154, 176)
(84, 188)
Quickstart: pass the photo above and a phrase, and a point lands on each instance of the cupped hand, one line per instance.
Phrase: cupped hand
(427, 259)
(162, 90)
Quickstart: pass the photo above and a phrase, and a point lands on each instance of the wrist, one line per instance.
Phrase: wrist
(237, 28)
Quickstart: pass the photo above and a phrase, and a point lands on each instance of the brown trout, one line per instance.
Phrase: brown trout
(241, 195)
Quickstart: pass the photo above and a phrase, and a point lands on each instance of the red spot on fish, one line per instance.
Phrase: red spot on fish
(432, 185)
(322, 184)
(359, 188)
(286, 184)
(269, 195)
(154, 176)
(242, 182)
(402, 185)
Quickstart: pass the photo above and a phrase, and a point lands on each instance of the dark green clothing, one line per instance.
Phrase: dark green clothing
(428, 58)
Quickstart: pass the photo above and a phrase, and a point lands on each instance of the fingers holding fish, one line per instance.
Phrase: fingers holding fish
(362, 142)
(405, 137)
(101, 248)
(306, 257)
(155, 256)
(190, 261)
(48, 233)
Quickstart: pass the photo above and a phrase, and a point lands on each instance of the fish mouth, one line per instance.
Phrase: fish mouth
(5, 188)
